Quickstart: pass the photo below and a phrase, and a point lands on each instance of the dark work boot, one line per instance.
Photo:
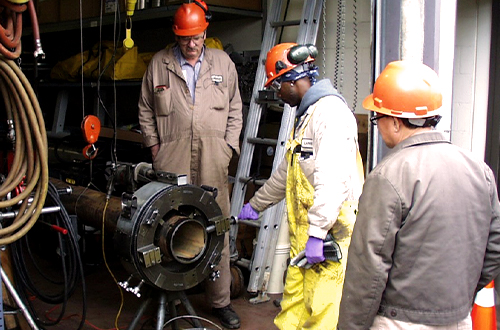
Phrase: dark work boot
(227, 317)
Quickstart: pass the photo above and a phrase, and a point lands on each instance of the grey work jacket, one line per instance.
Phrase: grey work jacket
(427, 236)
(195, 139)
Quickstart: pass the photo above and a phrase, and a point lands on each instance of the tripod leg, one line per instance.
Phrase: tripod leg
(139, 313)
(189, 308)
(18, 300)
(161, 311)
(172, 310)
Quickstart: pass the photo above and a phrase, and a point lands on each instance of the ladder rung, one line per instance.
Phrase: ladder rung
(259, 182)
(243, 263)
(268, 101)
(267, 96)
(285, 23)
(264, 141)
(14, 312)
(251, 223)
(275, 107)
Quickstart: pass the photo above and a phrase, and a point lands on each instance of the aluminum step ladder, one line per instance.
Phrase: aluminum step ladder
(260, 265)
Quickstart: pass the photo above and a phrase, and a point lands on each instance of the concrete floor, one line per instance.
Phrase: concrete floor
(104, 300)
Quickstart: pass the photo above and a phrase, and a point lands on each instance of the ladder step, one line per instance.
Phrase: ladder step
(266, 96)
(264, 141)
(259, 182)
(251, 223)
(285, 23)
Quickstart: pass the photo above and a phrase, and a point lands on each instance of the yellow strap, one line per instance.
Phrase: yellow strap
(292, 143)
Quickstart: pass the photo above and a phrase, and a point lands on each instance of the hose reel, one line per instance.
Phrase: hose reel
(170, 234)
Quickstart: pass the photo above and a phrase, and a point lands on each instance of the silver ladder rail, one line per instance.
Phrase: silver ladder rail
(269, 220)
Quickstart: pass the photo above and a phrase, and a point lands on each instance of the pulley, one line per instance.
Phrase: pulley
(91, 128)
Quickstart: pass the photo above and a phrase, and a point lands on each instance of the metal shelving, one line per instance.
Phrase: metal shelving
(148, 14)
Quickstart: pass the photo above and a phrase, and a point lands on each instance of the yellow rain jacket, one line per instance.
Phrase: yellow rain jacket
(321, 181)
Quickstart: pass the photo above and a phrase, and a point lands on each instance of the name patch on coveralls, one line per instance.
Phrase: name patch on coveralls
(306, 149)
(160, 88)
(307, 145)
(217, 79)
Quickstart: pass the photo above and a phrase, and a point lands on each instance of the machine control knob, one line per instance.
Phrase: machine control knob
(214, 275)
(136, 290)
(125, 284)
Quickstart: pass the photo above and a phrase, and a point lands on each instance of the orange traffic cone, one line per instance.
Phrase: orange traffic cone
(483, 313)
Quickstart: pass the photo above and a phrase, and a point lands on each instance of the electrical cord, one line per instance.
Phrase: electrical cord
(23, 249)
(114, 160)
(122, 298)
(284, 19)
(11, 29)
(113, 119)
(30, 156)
(192, 317)
(71, 266)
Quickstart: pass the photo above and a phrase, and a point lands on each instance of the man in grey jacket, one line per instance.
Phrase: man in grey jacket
(427, 235)
(190, 117)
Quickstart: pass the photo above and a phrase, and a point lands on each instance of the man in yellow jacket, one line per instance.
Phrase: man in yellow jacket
(321, 178)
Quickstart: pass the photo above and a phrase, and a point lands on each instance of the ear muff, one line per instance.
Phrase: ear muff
(313, 51)
(280, 65)
(298, 54)
(203, 5)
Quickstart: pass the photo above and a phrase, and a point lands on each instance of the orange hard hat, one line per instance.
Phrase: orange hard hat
(191, 18)
(406, 89)
(285, 57)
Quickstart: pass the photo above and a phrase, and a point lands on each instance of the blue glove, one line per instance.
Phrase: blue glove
(247, 212)
(314, 250)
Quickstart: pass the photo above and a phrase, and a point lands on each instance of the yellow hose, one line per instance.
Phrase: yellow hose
(30, 154)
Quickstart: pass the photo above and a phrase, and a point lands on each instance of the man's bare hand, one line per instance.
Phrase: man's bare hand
(154, 151)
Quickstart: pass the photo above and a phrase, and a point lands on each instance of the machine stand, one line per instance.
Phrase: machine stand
(166, 305)
(21, 307)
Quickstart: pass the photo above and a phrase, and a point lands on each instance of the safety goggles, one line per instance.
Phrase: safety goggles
(375, 119)
(185, 40)
(275, 85)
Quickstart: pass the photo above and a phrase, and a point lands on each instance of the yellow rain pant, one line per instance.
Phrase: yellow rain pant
(311, 297)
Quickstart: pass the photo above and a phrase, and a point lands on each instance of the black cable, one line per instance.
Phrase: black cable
(21, 251)
(284, 19)
(72, 273)
(114, 158)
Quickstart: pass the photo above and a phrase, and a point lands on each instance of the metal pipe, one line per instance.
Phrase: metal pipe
(139, 313)
(18, 300)
(162, 307)
(89, 205)
(412, 30)
(13, 214)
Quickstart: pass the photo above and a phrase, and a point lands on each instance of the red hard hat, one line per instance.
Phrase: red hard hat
(406, 89)
(278, 60)
(191, 19)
